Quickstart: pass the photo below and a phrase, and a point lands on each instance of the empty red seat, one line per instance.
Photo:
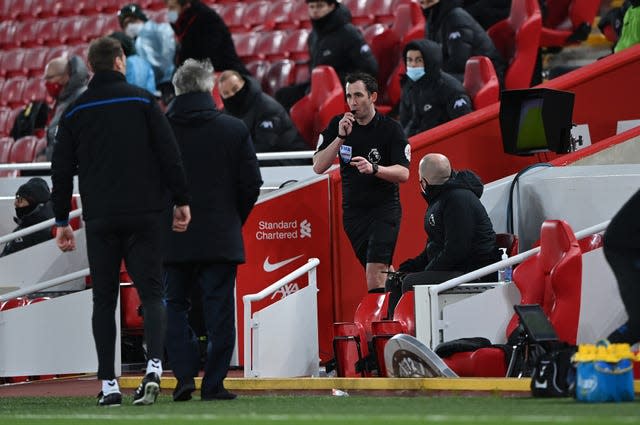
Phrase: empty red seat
(269, 45)
(280, 74)
(384, 10)
(517, 38)
(481, 81)
(566, 17)
(23, 150)
(92, 27)
(295, 45)
(130, 312)
(34, 89)
(35, 61)
(12, 63)
(12, 91)
(45, 8)
(279, 15)
(9, 118)
(14, 303)
(69, 7)
(300, 15)
(360, 13)
(5, 145)
(48, 32)
(70, 31)
(258, 69)
(255, 14)
(312, 113)
(245, 44)
(8, 36)
(56, 52)
(232, 15)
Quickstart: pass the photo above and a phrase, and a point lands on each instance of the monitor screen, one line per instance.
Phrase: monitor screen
(531, 135)
(536, 323)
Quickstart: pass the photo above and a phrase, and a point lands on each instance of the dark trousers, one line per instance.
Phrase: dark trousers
(217, 283)
(137, 240)
(622, 250)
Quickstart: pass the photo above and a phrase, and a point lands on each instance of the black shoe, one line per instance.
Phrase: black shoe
(220, 395)
(148, 390)
(112, 399)
(184, 389)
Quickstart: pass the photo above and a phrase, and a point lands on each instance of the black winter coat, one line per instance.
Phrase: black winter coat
(435, 98)
(223, 178)
(334, 41)
(201, 33)
(488, 12)
(459, 231)
(41, 213)
(461, 37)
(269, 124)
(116, 139)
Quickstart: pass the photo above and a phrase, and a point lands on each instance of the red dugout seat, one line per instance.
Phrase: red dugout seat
(481, 81)
(280, 74)
(71, 31)
(232, 15)
(69, 7)
(312, 113)
(361, 16)
(279, 15)
(518, 40)
(34, 89)
(8, 39)
(404, 321)
(258, 69)
(245, 44)
(255, 14)
(45, 8)
(28, 33)
(351, 339)
(48, 32)
(300, 15)
(551, 278)
(566, 17)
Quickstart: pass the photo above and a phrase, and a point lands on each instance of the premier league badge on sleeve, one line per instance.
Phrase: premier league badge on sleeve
(345, 153)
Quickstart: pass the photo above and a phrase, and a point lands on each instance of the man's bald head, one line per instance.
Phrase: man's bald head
(435, 168)
(57, 66)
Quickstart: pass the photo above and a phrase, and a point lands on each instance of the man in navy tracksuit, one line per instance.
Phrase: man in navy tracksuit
(117, 140)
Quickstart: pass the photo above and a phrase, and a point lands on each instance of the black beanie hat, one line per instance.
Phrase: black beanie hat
(36, 191)
(131, 10)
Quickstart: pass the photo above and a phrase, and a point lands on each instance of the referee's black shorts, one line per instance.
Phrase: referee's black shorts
(373, 232)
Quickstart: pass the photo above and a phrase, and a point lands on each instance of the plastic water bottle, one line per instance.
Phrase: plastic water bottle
(504, 274)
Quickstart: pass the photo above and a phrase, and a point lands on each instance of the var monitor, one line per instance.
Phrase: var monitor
(536, 120)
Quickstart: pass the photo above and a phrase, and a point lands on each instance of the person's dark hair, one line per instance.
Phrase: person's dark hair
(131, 10)
(370, 83)
(103, 53)
(127, 44)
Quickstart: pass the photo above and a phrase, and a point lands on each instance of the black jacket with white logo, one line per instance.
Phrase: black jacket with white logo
(435, 98)
(334, 41)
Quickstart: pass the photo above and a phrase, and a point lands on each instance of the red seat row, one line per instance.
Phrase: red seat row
(19, 151)
(18, 91)
(24, 9)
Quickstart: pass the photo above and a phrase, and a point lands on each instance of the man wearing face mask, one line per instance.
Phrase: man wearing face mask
(269, 124)
(460, 236)
(32, 207)
(430, 96)
(154, 42)
(202, 34)
(65, 79)
(460, 36)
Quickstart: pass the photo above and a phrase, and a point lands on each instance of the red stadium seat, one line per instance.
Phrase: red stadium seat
(81, 50)
(92, 27)
(23, 150)
(69, 7)
(130, 313)
(361, 16)
(518, 40)
(35, 61)
(300, 15)
(70, 31)
(38, 300)
(245, 44)
(232, 15)
(5, 145)
(385, 46)
(312, 113)
(12, 63)
(45, 8)
(28, 33)
(8, 36)
(16, 10)
(255, 14)
(12, 92)
(111, 23)
(404, 321)
(564, 17)
(158, 15)
(481, 81)
(280, 74)
(56, 52)
(279, 15)
(269, 45)
(552, 278)
(34, 89)
(48, 32)
(295, 45)
(384, 10)
(7, 118)
(14, 303)
(258, 69)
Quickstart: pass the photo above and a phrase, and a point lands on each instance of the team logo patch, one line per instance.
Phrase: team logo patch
(326, 53)
(374, 156)
(459, 103)
(426, 107)
(432, 220)
(345, 153)
(407, 152)
(454, 35)
(266, 124)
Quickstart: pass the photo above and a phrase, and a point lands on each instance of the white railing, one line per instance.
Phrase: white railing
(44, 285)
(251, 362)
(436, 322)
(37, 227)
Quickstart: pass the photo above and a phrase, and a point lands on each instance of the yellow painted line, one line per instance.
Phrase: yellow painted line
(371, 384)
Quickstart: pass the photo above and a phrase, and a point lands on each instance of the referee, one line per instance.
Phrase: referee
(374, 157)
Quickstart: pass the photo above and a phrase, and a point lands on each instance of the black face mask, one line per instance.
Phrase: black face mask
(431, 192)
(236, 104)
(24, 211)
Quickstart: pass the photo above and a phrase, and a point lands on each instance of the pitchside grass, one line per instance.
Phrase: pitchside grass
(420, 409)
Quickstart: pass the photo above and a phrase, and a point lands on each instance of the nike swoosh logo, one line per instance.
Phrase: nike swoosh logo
(271, 267)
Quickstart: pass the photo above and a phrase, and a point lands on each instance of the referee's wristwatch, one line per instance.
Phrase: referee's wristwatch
(374, 168)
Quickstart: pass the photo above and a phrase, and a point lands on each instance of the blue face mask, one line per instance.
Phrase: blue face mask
(172, 16)
(415, 73)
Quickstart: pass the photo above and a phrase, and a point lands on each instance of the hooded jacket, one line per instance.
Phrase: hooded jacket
(269, 124)
(223, 178)
(488, 12)
(461, 37)
(202, 34)
(435, 98)
(459, 231)
(78, 80)
(334, 41)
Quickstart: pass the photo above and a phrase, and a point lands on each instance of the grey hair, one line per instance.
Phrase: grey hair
(194, 76)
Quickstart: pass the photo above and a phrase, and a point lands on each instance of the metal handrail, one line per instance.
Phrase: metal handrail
(434, 290)
(36, 227)
(44, 285)
(309, 268)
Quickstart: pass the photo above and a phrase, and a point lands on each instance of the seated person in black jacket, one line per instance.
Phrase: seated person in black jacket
(430, 96)
(270, 126)
(32, 207)
(488, 12)
(460, 236)
(460, 36)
